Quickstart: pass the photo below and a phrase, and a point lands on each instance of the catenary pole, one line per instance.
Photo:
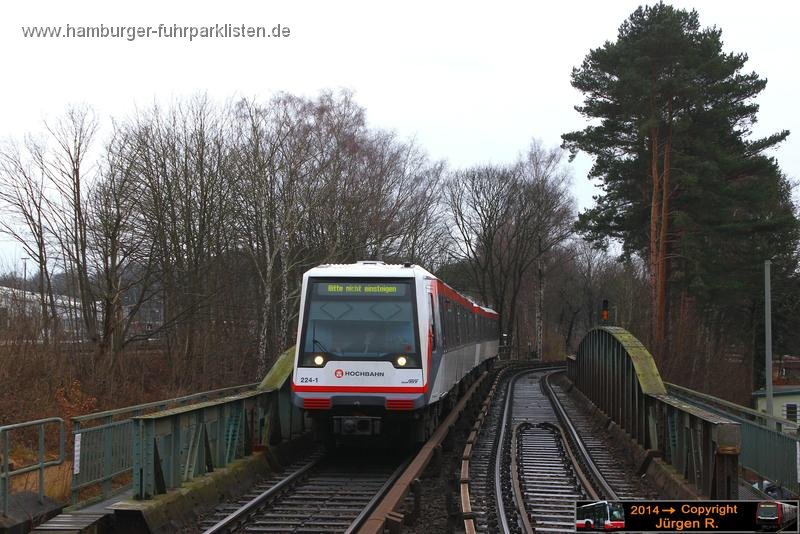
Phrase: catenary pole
(768, 338)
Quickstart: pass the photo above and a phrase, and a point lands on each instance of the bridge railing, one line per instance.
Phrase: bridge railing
(615, 371)
(173, 446)
(103, 443)
(42, 463)
(715, 404)
(771, 454)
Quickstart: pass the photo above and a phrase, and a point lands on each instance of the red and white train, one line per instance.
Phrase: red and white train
(775, 515)
(384, 349)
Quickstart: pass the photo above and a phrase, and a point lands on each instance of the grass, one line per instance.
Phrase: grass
(57, 482)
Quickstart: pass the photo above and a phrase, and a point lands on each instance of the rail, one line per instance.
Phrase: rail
(385, 514)
(365, 514)
(466, 457)
(239, 516)
(615, 371)
(468, 515)
(569, 432)
(498, 461)
(42, 463)
(524, 516)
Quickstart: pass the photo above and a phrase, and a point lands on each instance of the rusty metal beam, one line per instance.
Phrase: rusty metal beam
(386, 510)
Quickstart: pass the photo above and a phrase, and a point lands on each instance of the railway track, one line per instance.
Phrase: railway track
(323, 494)
(485, 466)
(611, 466)
(355, 489)
(546, 482)
(478, 465)
(530, 456)
(539, 461)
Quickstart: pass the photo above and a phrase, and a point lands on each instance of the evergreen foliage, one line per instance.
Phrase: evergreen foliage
(684, 185)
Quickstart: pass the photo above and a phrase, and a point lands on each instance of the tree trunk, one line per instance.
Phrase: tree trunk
(263, 338)
(663, 261)
(284, 335)
(655, 212)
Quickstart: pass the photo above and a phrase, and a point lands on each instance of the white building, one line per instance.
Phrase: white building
(18, 307)
(786, 401)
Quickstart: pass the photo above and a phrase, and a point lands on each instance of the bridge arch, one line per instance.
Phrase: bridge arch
(619, 376)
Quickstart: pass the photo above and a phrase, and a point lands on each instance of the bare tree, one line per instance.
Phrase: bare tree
(123, 263)
(215, 212)
(69, 174)
(184, 168)
(493, 232)
(274, 157)
(547, 183)
(23, 195)
(506, 220)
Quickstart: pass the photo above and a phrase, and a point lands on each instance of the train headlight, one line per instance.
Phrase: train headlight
(319, 360)
(401, 361)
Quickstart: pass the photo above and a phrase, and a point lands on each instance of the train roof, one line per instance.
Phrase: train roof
(374, 268)
(370, 269)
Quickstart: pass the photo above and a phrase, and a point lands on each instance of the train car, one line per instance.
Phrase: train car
(775, 515)
(384, 350)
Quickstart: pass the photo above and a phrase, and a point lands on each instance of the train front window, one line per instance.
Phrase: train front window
(768, 511)
(360, 320)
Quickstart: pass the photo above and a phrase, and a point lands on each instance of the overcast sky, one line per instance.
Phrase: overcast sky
(471, 82)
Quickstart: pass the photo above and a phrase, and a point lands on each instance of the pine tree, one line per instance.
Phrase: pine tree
(670, 117)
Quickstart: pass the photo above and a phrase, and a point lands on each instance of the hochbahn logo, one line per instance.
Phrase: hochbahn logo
(339, 373)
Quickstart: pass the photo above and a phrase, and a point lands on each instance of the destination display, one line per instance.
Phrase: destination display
(686, 516)
(361, 289)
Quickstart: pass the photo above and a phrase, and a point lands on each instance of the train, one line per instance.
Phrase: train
(775, 515)
(384, 350)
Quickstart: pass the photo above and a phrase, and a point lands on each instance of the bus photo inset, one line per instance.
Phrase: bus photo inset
(600, 515)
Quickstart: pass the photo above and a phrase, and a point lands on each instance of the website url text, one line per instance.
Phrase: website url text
(162, 31)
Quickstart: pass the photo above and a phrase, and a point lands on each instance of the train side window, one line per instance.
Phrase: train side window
(451, 341)
(442, 326)
(462, 324)
(454, 322)
(432, 313)
(447, 324)
(458, 325)
(457, 320)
